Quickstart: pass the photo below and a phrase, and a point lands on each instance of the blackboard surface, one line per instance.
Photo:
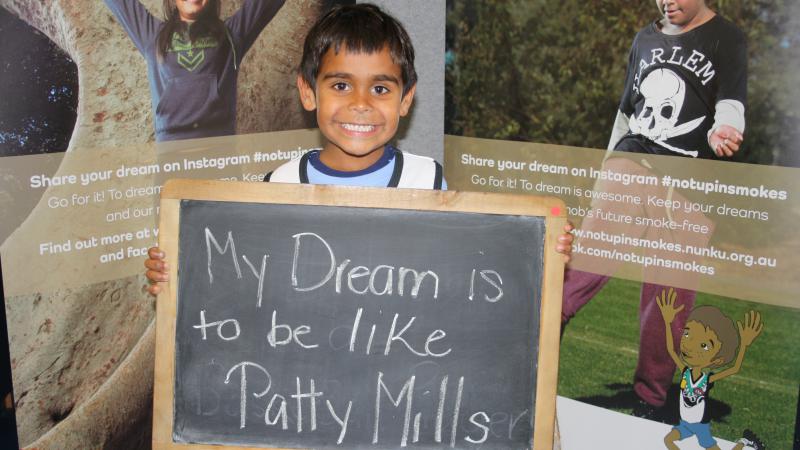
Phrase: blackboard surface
(338, 283)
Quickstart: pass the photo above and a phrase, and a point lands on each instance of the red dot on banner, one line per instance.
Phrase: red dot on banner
(555, 210)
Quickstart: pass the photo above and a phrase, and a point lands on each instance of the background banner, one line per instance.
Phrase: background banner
(83, 77)
(534, 92)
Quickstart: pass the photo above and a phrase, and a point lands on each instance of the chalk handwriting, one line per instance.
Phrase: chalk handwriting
(230, 244)
(293, 334)
(372, 278)
(397, 336)
(243, 387)
(220, 324)
(496, 282)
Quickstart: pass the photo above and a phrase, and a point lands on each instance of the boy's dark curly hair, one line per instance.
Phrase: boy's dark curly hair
(361, 28)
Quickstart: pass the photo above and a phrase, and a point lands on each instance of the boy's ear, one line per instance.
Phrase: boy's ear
(408, 99)
(307, 96)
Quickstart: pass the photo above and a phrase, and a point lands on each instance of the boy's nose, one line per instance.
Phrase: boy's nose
(360, 102)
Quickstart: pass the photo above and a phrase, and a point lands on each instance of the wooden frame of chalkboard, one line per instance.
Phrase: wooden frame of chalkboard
(182, 195)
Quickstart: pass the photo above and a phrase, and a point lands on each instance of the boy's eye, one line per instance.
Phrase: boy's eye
(340, 86)
(381, 90)
(685, 333)
(704, 346)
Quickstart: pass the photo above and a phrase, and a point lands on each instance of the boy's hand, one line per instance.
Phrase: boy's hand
(666, 303)
(725, 140)
(751, 329)
(564, 245)
(158, 269)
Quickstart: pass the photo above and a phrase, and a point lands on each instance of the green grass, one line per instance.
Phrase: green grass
(600, 347)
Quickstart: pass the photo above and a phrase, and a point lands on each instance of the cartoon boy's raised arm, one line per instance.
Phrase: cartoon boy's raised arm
(666, 303)
(747, 334)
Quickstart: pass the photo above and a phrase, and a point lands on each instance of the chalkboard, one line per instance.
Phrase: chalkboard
(299, 318)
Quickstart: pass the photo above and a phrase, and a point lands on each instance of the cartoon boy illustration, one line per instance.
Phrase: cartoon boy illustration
(709, 341)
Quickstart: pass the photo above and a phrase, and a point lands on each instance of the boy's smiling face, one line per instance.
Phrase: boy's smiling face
(359, 101)
(699, 346)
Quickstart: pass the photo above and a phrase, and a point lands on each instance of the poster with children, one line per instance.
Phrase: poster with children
(669, 130)
(101, 103)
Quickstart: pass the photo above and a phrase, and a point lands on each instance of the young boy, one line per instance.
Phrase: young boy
(685, 93)
(357, 72)
(709, 341)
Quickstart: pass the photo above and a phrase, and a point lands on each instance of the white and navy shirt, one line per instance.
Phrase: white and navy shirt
(678, 88)
(394, 169)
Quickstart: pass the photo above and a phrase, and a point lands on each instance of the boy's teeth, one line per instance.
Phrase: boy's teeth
(358, 128)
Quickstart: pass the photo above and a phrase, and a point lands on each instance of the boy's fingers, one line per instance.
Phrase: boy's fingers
(156, 276)
(154, 289)
(155, 253)
(155, 264)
